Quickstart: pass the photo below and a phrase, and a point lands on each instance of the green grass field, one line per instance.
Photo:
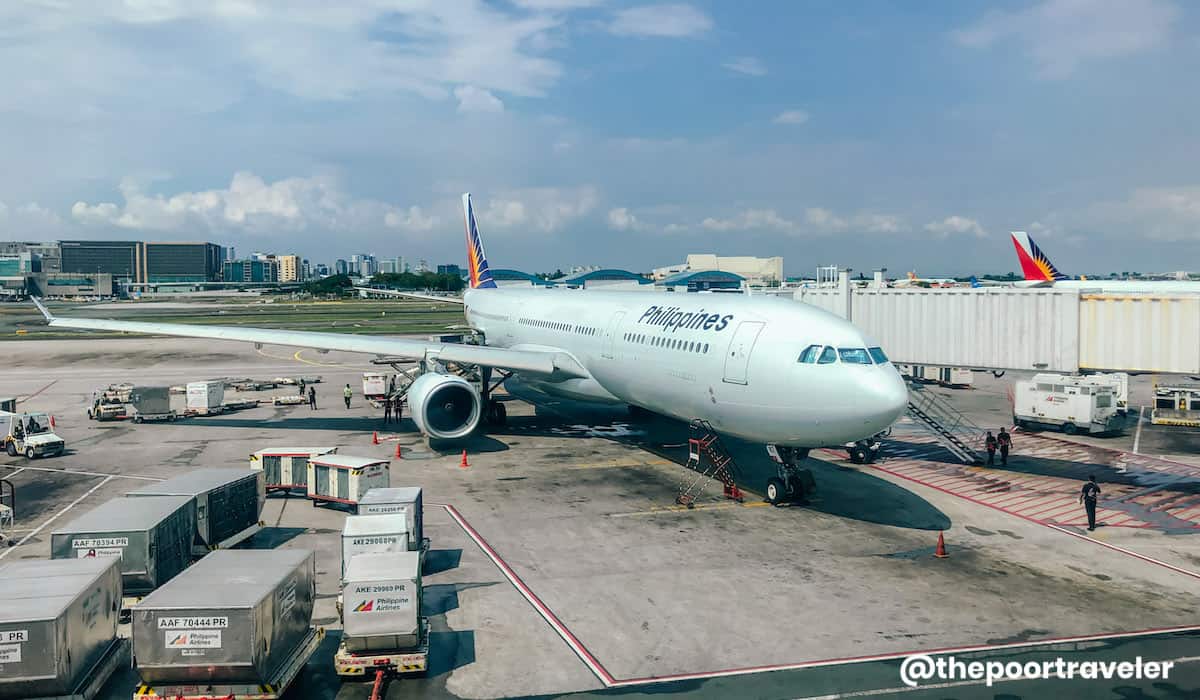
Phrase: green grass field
(368, 317)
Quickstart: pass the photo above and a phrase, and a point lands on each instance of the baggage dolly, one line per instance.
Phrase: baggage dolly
(398, 662)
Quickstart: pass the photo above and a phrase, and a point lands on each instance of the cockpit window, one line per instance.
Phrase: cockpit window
(855, 356)
(809, 355)
(828, 356)
(878, 356)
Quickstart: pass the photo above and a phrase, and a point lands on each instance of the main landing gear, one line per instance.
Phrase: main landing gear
(792, 483)
(494, 412)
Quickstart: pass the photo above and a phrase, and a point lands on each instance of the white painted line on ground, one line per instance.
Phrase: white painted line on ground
(1137, 436)
(83, 473)
(54, 517)
(18, 470)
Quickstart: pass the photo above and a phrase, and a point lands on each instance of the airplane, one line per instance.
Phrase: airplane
(1040, 272)
(913, 281)
(767, 370)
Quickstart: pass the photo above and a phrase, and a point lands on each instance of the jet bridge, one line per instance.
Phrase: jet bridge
(995, 328)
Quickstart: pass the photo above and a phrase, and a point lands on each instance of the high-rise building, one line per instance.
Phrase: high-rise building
(387, 267)
(305, 270)
(341, 267)
(289, 268)
(251, 270)
(322, 270)
(422, 266)
(180, 262)
(121, 259)
(231, 253)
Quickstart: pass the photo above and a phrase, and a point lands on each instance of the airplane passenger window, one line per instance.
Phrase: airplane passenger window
(809, 355)
(828, 356)
(706, 347)
(855, 356)
(878, 356)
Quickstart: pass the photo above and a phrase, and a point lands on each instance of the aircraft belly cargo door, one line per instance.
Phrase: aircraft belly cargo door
(737, 357)
(610, 336)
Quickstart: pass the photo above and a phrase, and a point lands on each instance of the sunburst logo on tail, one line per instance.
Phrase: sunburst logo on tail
(477, 265)
(1034, 263)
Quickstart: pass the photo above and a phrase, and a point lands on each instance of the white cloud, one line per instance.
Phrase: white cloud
(557, 4)
(752, 219)
(792, 116)
(252, 205)
(1060, 35)
(747, 65)
(542, 209)
(622, 219)
(816, 221)
(27, 220)
(473, 99)
(956, 225)
(668, 20)
(1162, 213)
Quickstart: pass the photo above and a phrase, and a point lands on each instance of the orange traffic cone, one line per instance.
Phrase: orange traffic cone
(940, 552)
(398, 455)
(375, 437)
(464, 464)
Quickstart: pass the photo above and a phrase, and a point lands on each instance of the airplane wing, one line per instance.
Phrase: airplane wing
(410, 295)
(543, 362)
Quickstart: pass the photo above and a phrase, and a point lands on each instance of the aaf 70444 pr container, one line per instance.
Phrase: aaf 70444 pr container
(403, 500)
(228, 503)
(344, 478)
(286, 468)
(151, 535)
(205, 396)
(382, 599)
(372, 534)
(236, 616)
(58, 619)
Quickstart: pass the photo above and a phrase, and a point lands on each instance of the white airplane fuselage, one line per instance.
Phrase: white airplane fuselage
(730, 359)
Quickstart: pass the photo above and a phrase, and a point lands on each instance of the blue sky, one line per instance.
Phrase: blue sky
(897, 134)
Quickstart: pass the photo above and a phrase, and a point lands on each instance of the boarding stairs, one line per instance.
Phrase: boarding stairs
(951, 427)
(708, 460)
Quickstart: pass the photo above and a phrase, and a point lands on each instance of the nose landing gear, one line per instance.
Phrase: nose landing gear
(792, 483)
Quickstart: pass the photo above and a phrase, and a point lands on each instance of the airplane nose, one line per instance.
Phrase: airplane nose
(888, 397)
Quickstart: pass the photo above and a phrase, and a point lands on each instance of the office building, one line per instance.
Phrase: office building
(180, 262)
(341, 267)
(252, 270)
(289, 268)
(121, 259)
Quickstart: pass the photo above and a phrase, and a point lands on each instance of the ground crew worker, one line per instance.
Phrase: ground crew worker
(1004, 440)
(346, 394)
(396, 410)
(301, 387)
(387, 411)
(990, 444)
(1088, 497)
(312, 398)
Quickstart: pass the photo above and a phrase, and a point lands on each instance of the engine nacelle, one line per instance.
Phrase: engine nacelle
(444, 406)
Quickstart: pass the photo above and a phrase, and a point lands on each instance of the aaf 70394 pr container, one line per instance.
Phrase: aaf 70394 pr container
(236, 616)
(228, 503)
(404, 500)
(286, 468)
(344, 478)
(382, 599)
(58, 621)
(152, 536)
(372, 534)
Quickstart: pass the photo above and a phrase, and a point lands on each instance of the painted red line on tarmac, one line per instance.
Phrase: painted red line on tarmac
(1034, 504)
(1065, 531)
(1121, 521)
(1059, 506)
(944, 479)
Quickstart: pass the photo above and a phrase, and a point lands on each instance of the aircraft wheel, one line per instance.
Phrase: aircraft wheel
(776, 491)
(859, 454)
(500, 414)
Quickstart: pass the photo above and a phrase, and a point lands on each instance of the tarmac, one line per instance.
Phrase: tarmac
(561, 564)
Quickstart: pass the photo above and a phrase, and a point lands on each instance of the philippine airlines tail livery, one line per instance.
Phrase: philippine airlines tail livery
(1040, 272)
(764, 369)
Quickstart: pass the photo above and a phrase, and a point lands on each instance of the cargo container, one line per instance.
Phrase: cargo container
(382, 594)
(1071, 404)
(235, 617)
(151, 535)
(150, 403)
(205, 396)
(1176, 405)
(286, 468)
(370, 534)
(229, 503)
(58, 626)
(374, 385)
(344, 478)
(399, 500)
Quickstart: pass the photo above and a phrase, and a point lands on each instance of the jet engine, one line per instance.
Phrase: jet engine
(444, 406)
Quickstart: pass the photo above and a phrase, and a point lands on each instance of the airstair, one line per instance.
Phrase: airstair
(950, 426)
(708, 461)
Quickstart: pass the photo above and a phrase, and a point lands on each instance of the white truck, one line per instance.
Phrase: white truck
(29, 434)
(1071, 404)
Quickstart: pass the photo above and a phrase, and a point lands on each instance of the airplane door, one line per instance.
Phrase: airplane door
(610, 336)
(737, 357)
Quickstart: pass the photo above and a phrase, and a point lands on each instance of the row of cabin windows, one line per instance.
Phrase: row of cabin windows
(558, 326)
(827, 355)
(668, 343)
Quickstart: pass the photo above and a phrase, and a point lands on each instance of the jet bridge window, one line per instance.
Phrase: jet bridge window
(809, 355)
(878, 356)
(855, 356)
(828, 356)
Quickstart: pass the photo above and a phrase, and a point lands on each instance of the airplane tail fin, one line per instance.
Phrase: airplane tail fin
(477, 265)
(975, 282)
(1034, 263)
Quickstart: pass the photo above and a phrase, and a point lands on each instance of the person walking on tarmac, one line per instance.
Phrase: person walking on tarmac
(387, 411)
(347, 393)
(1004, 441)
(990, 444)
(1088, 497)
(312, 398)
(301, 383)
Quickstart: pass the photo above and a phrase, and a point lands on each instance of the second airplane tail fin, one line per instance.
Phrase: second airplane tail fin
(1034, 263)
(477, 264)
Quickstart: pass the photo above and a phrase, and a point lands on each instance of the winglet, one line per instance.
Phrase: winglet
(42, 307)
